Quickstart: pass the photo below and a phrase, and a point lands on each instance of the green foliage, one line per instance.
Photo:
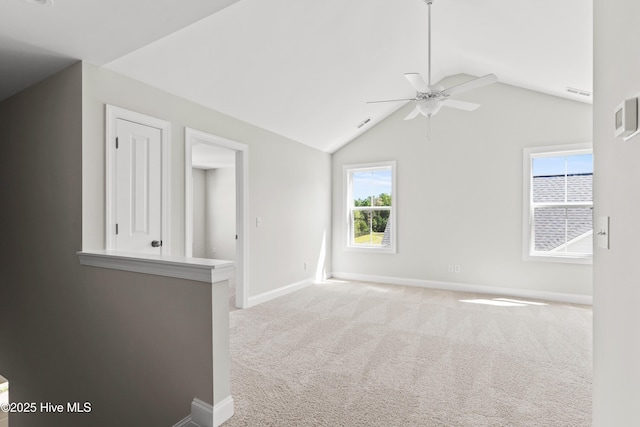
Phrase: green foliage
(379, 221)
(366, 222)
(383, 199)
(361, 223)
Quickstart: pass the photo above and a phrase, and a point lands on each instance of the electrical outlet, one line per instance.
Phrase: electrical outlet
(456, 268)
(259, 221)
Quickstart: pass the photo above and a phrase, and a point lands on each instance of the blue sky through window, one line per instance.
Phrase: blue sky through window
(371, 183)
(579, 163)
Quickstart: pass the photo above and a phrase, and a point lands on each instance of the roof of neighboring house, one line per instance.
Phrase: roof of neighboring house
(550, 222)
(386, 237)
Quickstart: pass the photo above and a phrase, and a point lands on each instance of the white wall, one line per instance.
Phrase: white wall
(221, 213)
(616, 390)
(289, 183)
(460, 194)
(199, 248)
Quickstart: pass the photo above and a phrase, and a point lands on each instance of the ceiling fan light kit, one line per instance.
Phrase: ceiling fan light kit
(430, 98)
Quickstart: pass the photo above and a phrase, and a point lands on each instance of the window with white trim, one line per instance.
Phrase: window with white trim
(370, 207)
(558, 203)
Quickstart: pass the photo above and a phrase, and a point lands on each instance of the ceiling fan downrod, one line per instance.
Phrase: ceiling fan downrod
(429, 98)
(429, 3)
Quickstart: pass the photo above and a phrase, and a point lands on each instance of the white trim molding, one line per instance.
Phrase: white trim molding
(466, 287)
(185, 422)
(203, 415)
(199, 269)
(284, 290)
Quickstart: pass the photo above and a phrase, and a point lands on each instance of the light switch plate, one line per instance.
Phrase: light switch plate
(602, 232)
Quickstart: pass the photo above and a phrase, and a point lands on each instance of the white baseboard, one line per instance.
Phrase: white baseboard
(465, 287)
(268, 296)
(203, 415)
(185, 422)
(223, 411)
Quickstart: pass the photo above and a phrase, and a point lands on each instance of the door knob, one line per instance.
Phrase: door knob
(156, 243)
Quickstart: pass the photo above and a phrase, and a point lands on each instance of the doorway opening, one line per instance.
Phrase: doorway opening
(216, 189)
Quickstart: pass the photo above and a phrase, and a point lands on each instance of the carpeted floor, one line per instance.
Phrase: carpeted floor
(358, 354)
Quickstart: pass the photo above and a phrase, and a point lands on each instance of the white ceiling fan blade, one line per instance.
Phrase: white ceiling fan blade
(461, 105)
(471, 84)
(413, 114)
(391, 100)
(418, 82)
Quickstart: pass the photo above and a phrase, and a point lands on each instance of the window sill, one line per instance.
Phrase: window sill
(198, 269)
(585, 260)
(370, 250)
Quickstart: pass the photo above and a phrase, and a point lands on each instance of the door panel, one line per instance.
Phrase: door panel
(139, 187)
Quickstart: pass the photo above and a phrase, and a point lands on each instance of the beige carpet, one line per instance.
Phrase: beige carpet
(356, 354)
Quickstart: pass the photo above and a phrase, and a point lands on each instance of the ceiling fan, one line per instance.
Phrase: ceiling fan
(430, 98)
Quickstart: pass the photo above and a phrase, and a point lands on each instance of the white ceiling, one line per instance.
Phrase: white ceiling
(37, 41)
(304, 69)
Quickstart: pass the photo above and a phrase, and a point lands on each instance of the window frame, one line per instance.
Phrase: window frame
(348, 171)
(528, 252)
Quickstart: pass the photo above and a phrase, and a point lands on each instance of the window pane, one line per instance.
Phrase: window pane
(580, 230)
(371, 228)
(372, 188)
(580, 188)
(549, 166)
(563, 230)
(579, 164)
(549, 227)
(549, 189)
(562, 178)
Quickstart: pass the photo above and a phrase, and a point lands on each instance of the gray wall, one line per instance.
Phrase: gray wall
(289, 183)
(137, 347)
(214, 213)
(460, 193)
(616, 390)
(220, 186)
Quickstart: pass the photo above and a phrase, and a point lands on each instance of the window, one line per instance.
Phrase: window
(370, 202)
(558, 203)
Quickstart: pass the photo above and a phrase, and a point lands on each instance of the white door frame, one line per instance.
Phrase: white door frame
(114, 113)
(191, 137)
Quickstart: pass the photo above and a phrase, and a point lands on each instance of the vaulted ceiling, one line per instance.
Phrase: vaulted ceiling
(300, 68)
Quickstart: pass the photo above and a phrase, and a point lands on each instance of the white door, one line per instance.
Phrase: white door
(138, 188)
